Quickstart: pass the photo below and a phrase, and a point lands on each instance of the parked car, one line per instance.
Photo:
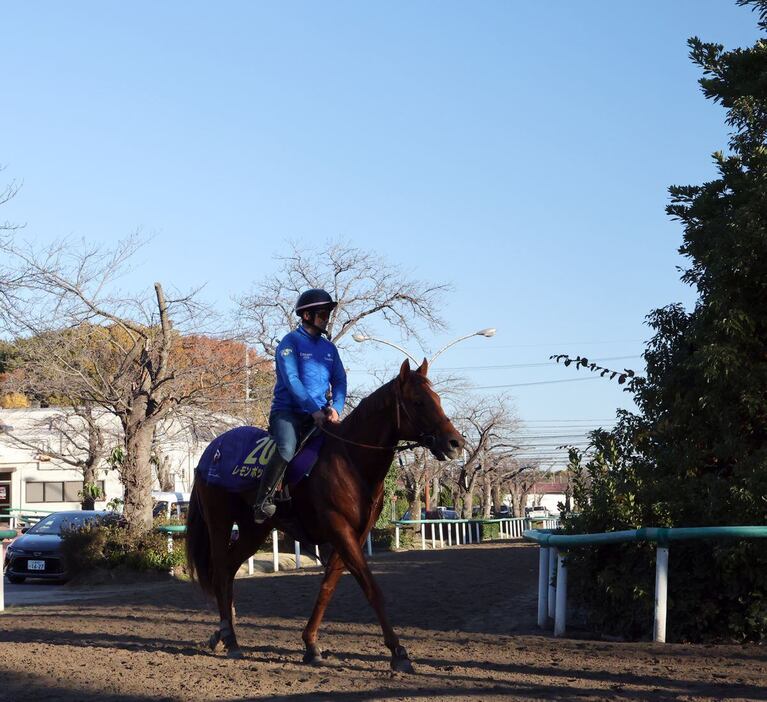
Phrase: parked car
(406, 517)
(539, 512)
(502, 512)
(442, 513)
(170, 504)
(37, 552)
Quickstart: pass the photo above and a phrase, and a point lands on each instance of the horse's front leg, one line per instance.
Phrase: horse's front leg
(347, 545)
(333, 572)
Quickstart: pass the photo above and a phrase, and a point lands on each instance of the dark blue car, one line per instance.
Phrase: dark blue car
(37, 552)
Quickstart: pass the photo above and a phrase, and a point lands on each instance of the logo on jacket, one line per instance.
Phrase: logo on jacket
(287, 352)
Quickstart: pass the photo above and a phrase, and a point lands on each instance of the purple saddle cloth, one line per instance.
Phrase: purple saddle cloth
(236, 459)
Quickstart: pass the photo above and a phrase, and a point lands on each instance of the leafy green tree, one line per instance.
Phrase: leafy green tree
(696, 452)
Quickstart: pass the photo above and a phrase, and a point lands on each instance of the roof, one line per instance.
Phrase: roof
(549, 488)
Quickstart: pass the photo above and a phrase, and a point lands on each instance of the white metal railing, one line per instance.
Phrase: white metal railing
(275, 548)
(468, 531)
(552, 564)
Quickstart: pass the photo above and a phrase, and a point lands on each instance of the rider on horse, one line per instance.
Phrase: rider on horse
(311, 386)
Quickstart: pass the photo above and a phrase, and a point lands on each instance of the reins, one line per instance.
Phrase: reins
(396, 449)
(425, 440)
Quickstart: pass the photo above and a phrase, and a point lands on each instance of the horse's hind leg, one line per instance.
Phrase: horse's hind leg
(333, 572)
(251, 536)
(220, 536)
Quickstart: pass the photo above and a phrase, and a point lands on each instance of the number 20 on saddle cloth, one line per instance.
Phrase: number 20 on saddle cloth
(235, 460)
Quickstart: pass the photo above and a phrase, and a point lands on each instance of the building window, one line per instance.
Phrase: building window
(54, 492)
(35, 492)
(71, 490)
(68, 491)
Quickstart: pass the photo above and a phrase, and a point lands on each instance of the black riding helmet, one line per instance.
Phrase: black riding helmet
(314, 300)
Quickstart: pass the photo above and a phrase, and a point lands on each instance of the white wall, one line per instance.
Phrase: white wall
(549, 501)
(30, 424)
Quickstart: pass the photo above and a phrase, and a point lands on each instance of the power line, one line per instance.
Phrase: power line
(554, 343)
(501, 366)
(537, 382)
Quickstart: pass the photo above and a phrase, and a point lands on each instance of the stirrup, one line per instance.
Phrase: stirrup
(266, 510)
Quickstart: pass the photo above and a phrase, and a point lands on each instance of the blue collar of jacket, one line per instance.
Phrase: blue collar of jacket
(300, 329)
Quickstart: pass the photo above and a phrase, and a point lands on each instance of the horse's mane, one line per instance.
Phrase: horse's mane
(376, 403)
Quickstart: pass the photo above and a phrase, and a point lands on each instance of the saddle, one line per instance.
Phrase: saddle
(235, 460)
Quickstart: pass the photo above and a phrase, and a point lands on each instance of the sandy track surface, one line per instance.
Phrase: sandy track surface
(466, 615)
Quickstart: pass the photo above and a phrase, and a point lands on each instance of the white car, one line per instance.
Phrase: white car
(539, 513)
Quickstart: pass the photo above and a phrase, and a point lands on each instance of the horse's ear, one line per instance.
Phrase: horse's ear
(404, 372)
(423, 368)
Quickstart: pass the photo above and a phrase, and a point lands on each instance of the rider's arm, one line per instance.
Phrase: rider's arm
(287, 367)
(338, 383)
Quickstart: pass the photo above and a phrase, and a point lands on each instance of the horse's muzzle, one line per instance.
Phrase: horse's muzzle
(448, 446)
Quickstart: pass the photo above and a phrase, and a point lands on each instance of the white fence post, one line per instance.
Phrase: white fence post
(275, 551)
(423, 537)
(317, 554)
(661, 590)
(560, 617)
(449, 534)
(441, 539)
(250, 566)
(553, 556)
(297, 546)
(396, 537)
(370, 544)
(543, 586)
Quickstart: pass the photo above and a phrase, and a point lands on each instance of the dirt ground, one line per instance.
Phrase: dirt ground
(466, 615)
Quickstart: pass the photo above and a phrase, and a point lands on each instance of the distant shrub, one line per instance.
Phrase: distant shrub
(93, 547)
(13, 400)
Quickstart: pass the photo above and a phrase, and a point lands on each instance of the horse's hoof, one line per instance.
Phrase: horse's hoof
(400, 663)
(214, 640)
(235, 653)
(313, 655)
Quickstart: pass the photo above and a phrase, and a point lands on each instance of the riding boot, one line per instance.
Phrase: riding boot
(262, 498)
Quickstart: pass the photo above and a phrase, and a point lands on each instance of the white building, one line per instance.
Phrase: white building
(548, 495)
(32, 479)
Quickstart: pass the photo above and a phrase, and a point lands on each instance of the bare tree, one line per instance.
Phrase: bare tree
(364, 285)
(417, 468)
(519, 485)
(487, 424)
(117, 352)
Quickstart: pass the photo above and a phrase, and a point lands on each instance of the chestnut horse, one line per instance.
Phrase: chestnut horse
(337, 504)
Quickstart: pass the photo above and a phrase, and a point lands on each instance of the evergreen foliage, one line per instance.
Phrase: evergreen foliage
(695, 454)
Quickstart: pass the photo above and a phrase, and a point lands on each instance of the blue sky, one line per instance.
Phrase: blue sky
(518, 150)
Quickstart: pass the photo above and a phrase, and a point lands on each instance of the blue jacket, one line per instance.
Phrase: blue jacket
(306, 367)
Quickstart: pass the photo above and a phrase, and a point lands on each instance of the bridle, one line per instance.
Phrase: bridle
(425, 440)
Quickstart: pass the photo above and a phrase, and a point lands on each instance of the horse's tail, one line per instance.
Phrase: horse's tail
(198, 543)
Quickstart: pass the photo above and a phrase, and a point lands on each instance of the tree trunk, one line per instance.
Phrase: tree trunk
(487, 495)
(518, 499)
(164, 476)
(414, 498)
(497, 498)
(137, 476)
(467, 499)
(88, 500)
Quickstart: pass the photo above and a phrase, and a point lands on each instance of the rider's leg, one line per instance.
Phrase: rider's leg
(284, 428)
